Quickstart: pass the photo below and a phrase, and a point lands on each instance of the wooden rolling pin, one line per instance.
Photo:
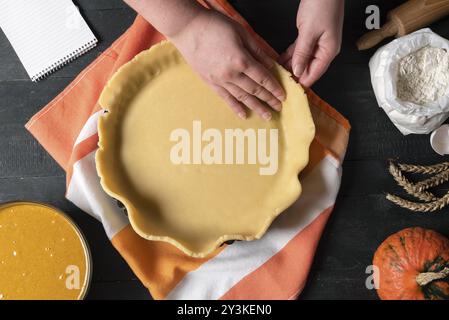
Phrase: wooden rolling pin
(409, 17)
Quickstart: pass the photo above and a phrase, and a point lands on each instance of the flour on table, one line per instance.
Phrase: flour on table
(423, 76)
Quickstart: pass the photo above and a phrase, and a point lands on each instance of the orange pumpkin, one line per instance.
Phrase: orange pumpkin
(413, 265)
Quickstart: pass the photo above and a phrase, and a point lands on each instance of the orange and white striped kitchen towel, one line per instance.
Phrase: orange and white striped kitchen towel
(275, 267)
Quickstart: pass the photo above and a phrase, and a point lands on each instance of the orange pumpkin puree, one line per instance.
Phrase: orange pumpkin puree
(42, 254)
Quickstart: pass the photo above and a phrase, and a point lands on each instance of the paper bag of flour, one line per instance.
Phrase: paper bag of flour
(408, 117)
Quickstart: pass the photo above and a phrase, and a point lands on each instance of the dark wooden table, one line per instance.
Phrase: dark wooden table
(362, 217)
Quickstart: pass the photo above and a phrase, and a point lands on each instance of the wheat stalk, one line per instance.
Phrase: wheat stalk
(420, 207)
(412, 168)
(409, 187)
(418, 190)
(434, 181)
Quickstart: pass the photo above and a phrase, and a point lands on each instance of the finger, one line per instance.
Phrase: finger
(257, 52)
(315, 70)
(249, 100)
(287, 55)
(266, 79)
(303, 53)
(258, 91)
(235, 105)
(288, 65)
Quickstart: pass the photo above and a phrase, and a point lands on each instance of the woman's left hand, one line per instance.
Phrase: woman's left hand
(320, 26)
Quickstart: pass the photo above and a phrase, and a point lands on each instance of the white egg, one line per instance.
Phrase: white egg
(439, 140)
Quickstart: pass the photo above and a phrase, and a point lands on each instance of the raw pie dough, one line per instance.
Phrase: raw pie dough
(195, 207)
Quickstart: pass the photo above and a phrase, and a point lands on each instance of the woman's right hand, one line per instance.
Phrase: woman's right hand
(231, 62)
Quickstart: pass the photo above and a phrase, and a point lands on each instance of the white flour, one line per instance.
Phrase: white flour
(423, 76)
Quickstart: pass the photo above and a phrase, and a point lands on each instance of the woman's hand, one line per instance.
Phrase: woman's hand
(231, 62)
(320, 24)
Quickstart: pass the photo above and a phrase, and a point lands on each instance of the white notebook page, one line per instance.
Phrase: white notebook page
(46, 34)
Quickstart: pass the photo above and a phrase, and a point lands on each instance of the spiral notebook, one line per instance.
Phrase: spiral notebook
(46, 34)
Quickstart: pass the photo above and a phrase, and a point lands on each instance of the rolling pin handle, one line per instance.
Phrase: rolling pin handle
(372, 38)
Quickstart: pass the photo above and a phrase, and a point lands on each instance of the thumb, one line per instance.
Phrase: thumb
(303, 54)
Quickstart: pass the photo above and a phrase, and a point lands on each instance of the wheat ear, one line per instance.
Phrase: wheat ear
(412, 168)
(420, 207)
(434, 181)
(409, 187)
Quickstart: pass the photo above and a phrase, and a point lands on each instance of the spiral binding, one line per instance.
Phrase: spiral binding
(64, 61)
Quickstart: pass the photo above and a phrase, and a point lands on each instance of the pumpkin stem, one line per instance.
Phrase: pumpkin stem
(427, 277)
